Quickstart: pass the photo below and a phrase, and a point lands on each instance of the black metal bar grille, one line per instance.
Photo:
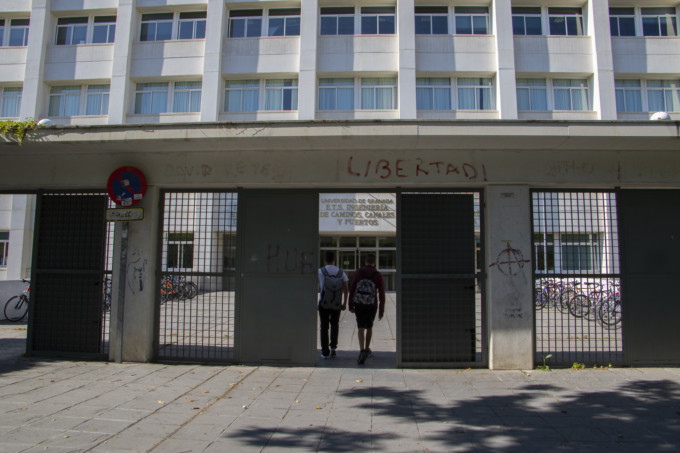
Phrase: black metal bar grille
(577, 294)
(440, 288)
(73, 249)
(196, 293)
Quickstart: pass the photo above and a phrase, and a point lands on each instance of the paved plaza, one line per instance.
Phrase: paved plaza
(75, 406)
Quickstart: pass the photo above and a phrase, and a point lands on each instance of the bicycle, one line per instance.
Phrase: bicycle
(555, 293)
(107, 294)
(602, 303)
(610, 308)
(176, 287)
(16, 308)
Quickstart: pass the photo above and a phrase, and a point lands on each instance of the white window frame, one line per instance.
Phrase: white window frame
(193, 90)
(90, 24)
(15, 96)
(101, 92)
(533, 90)
(623, 90)
(566, 14)
(379, 14)
(16, 25)
(4, 248)
(196, 19)
(156, 19)
(432, 85)
(67, 28)
(182, 241)
(272, 94)
(83, 96)
(524, 13)
(165, 89)
(670, 16)
(481, 85)
(582, 90)
(670, 90)
(172, 22)
(60, 97)
(617, 14)
(104, 22)
(289, 16)
(474, 13)
(281, 89)
(374, 86)
(241, 86)
(253, 20)
(332, 86)
(581, 247)
(429, 14)
(338, 14)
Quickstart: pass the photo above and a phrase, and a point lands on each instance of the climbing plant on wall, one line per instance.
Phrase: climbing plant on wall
(18, 129)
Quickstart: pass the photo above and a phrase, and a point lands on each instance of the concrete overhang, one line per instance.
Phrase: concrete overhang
(371, 135)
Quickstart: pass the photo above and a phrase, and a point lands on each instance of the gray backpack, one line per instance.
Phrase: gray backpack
(365, 290)
(331, 293)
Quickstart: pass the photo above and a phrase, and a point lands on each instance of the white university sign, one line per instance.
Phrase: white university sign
(357, 212)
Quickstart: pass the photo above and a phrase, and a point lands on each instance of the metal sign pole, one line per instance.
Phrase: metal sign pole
(122, 276)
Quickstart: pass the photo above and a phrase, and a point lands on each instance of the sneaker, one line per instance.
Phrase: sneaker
(324, 356)
(362, 357)
(333, 352)
(369, 353)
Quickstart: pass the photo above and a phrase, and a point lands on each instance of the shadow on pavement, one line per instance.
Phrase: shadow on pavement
(637, 416)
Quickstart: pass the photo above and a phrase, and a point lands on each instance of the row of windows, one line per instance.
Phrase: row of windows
(648, 95)
(346, 94)
(429, 20)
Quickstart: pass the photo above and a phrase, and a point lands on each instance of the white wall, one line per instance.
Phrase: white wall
(595, 56)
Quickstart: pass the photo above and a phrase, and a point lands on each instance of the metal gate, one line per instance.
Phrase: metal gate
(650, 229)
(578, 305)
(197, 287)
(68, 313)
(439, 280)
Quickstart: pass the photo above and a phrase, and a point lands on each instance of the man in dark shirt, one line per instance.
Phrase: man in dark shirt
(365, 308)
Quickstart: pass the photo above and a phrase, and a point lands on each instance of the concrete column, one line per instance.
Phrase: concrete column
(121, 85)
(212, 61)
(309, 26)
(406, 82)
(604, 89)
(21, 237)
(33, 98)
(140, 284)
(506, 90)
(509, 282)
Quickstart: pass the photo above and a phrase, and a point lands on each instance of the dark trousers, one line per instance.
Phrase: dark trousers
(329, 318)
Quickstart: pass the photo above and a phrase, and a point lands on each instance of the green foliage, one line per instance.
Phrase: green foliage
(19, 129)
(602, 367)
(544, 367)
(578, 366)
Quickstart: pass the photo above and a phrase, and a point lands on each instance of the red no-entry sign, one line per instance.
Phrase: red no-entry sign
(126, 186)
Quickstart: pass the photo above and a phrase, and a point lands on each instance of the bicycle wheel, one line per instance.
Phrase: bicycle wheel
(191, 290)
(610, 312)
(16, 308)
(579, 306)
(566, 298)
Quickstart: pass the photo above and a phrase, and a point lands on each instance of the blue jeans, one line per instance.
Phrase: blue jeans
(329, 318)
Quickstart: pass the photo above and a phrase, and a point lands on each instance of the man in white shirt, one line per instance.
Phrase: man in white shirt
(333, 286)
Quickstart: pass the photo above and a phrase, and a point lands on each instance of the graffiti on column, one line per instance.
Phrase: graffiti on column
(510, 261)
(136, 271)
